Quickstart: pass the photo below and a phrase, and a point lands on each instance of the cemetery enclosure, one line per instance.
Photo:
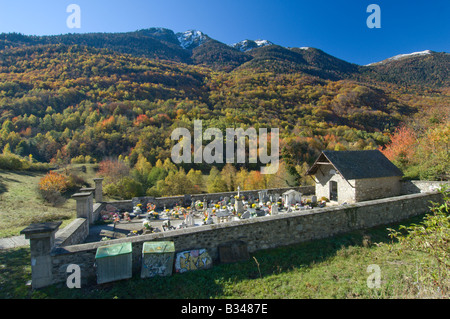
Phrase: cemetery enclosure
(257, 233)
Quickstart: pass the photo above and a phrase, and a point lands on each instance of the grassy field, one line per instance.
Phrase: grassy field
(20, 204)
(333, 268)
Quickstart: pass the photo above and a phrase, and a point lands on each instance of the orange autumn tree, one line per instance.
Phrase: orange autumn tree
(401, 149)
(51, 186)
(53, 181)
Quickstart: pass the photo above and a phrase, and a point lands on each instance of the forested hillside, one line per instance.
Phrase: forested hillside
(74, 101)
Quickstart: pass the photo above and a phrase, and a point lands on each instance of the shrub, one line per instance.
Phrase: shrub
(431, 238)
(13, 162)
(74, 182)
(83, 160)
(52, 186)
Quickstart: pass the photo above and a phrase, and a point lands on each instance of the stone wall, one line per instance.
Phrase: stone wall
(258, 233)
(414, 187)
(374, 188)
(74, 233)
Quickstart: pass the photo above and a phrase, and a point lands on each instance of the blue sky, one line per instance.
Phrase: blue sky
(338, 27)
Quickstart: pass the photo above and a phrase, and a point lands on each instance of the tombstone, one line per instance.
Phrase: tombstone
(314, 199)
(226, 199)
(239, 207)
(276, 197)
(189, 221)
(222, 212)
(209, 220)
(187, 200)
(274, 210)
(246, 215)
(261, 197)
(292, 196)
(287, 203)
(233, 251)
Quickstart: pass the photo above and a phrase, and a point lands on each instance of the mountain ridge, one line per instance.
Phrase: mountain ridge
(197, 48)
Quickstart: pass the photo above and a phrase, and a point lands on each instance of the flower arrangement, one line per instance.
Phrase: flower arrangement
(126, 216)
(150, 207)
(133, 233)
(107, 216)
(146, 224)
(137, 209)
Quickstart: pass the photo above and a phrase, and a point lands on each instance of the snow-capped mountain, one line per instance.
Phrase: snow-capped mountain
(247, 45)
(403, 56)
(191, 39)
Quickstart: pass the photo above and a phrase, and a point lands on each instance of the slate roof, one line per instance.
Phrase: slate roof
(358, 164)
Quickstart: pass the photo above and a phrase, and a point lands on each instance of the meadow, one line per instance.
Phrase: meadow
(334, 268)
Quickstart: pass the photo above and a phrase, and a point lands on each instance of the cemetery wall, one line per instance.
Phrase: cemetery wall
(74, 233)
(258, 233)
(413, 187)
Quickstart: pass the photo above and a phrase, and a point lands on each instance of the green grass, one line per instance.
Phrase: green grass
(333, 268)
(20, 204)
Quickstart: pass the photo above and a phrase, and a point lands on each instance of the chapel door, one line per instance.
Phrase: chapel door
(333, 191)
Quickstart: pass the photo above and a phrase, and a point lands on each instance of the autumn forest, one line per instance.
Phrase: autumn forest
(73, 102)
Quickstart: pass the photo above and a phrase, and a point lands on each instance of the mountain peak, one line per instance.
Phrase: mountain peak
(403, 56)
(191, 39)
(247, 45)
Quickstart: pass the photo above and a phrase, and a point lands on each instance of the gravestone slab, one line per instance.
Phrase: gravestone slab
(223, 213)
(233, 252)
(246, 215)
(190, 221)
(112, 234)
(239, 207)
(274, 209)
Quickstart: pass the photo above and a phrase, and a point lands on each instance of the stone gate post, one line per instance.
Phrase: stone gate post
(42, 238)
(98, 189)
(84, 209)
